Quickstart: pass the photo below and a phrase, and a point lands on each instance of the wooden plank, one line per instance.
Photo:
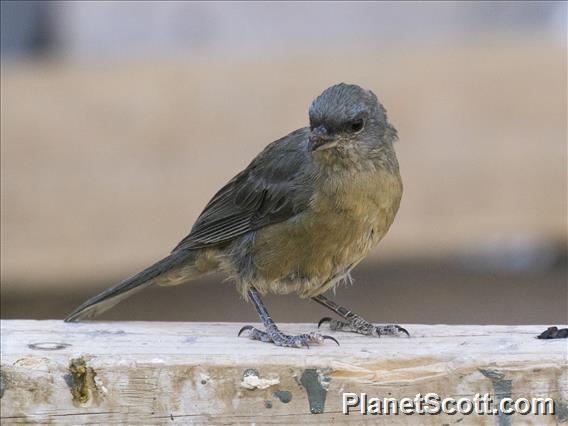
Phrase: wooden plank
(140, 372)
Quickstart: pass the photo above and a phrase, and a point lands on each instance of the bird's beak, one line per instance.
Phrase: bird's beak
(320, 139)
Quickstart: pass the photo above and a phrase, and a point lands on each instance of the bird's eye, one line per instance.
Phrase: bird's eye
(356, 125)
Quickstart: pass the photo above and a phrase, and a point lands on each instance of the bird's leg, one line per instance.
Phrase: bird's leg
(353, 322)
(272, 333)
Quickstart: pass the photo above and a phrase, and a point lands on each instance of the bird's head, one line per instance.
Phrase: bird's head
(348, 118)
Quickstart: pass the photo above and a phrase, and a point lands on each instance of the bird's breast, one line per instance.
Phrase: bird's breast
(362, 208)
(345, 220)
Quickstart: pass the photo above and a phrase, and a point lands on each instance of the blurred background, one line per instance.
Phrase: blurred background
(119, 120)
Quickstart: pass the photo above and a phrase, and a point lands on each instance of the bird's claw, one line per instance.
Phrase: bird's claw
(245, 328)
(280, 339)
(360, 326)
(391, 330)
(323, 320)
(326, 337)
(402, 330)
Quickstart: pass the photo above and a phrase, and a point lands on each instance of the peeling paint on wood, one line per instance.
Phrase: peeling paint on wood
(81, 382)
(501, 389)
(284, 396)
(194, 373)
(312, 381)
(562, 411)
(252, 380)
(3, 383)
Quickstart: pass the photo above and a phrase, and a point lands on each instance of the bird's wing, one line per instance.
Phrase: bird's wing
(276, 186)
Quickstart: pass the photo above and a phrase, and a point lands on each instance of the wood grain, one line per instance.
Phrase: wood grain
(154, 373)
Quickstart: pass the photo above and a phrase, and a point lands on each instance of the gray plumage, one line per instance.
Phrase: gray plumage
(305, 211)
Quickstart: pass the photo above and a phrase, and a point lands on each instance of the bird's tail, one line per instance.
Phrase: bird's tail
(110, 297)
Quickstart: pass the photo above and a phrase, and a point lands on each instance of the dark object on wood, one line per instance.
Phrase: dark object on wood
(553, 333)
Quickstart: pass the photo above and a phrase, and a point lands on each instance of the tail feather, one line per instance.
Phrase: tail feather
(108, 298)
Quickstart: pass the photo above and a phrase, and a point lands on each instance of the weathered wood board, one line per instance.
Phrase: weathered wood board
(164, 373)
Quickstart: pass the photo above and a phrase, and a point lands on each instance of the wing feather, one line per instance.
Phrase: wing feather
(276, 186)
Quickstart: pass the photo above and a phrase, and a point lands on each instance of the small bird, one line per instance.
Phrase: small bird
(298, 219)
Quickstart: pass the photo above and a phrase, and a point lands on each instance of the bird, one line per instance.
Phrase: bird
(297, 219)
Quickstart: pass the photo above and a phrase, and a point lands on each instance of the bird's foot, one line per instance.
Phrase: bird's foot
(274, 335)
(359, 325)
